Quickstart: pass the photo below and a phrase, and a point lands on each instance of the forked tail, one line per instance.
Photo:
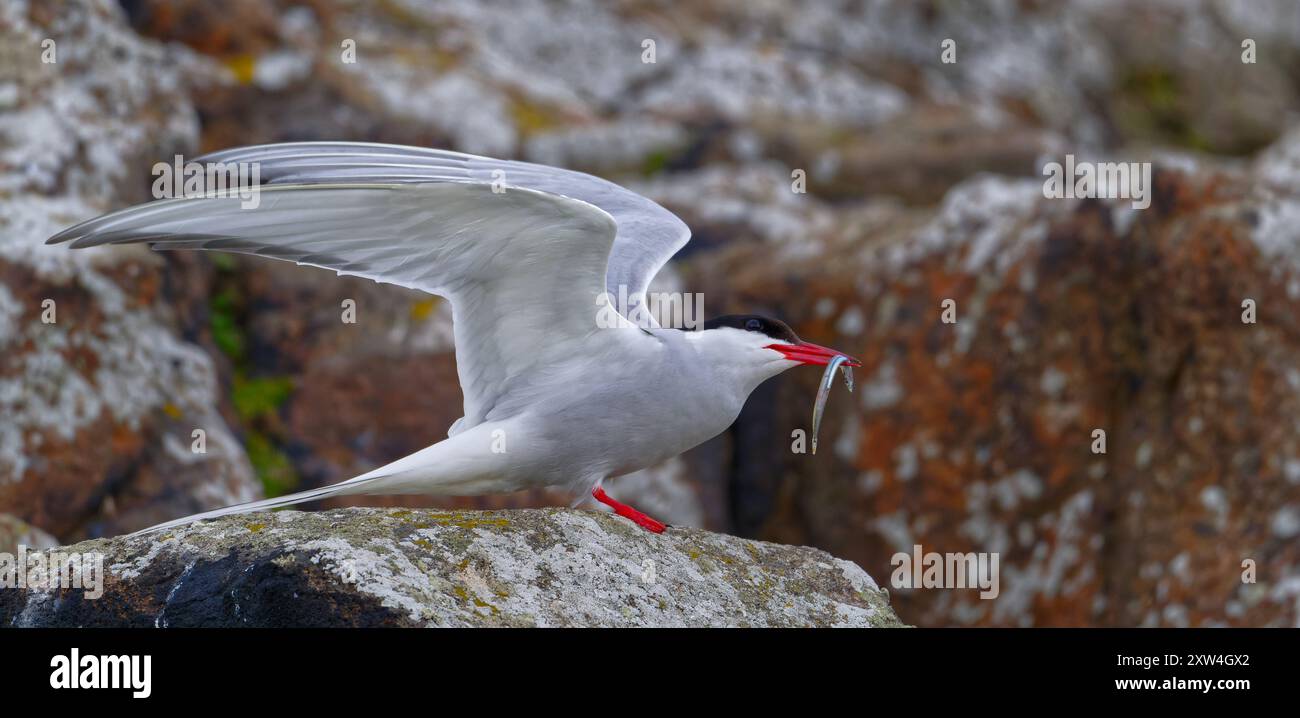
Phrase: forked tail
(344, 488)
(462, 465)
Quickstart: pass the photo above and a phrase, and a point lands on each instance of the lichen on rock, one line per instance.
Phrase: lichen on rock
(399, 567)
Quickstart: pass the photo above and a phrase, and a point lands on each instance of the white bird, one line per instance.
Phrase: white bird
(553, 395)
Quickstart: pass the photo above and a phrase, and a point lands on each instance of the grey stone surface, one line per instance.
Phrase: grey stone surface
(400, 567)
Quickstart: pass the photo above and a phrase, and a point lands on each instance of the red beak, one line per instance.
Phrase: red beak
(809, 353)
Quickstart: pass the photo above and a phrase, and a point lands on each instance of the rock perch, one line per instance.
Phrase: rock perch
(399, 567)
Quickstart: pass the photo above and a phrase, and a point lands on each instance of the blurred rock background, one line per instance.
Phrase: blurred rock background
(923, 184)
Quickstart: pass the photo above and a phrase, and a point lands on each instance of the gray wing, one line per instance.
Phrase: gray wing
(647, 234)
(522, 268)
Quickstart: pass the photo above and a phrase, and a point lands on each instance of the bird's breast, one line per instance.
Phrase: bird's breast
(623, 416)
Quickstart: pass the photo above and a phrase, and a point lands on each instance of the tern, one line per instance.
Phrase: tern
(554, 395)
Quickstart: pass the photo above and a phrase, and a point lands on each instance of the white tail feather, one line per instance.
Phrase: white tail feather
(345, 488)
(458, 466)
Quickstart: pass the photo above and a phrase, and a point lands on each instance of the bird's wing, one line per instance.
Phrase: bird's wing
(648, 235)
(521, 267)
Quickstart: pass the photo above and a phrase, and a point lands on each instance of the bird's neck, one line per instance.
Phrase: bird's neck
(734, 362)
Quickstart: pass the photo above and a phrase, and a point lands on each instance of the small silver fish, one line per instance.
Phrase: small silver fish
(824, 391)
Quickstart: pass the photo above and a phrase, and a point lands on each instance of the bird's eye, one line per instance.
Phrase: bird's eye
(753, 325)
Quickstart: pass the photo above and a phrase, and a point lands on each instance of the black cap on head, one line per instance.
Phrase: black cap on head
(774, 328)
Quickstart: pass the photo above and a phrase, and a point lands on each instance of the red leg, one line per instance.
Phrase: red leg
(628, 512)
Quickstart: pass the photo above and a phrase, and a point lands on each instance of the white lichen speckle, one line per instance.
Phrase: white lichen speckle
(555, 567)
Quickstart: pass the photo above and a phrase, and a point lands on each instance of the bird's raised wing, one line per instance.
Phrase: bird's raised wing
(647, 236)
(521, 267)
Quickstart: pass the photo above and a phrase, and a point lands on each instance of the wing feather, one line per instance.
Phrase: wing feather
(522, 267)
(647, 234)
